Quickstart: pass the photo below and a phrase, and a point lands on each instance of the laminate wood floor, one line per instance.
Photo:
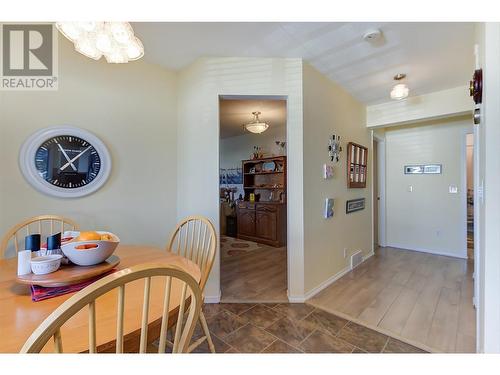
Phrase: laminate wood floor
(257, 276)
(422, 299)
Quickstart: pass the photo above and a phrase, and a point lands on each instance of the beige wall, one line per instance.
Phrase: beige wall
(200, 85)
(429, 218)
(329, 109)
(432, 106)
(131, 108)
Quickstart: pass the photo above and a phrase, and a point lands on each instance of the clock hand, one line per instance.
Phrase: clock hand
(66, 156)
(75, 158)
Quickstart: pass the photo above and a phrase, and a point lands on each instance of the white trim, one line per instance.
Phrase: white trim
(381, 180)
(319, 288)
(368, 256)
(422, 250)
(325, 284)
(213, 299)
(463, 192)
(30, 172)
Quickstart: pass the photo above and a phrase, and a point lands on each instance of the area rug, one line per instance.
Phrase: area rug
(230, 246)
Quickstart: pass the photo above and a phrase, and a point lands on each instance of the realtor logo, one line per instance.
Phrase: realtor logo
(28, 57)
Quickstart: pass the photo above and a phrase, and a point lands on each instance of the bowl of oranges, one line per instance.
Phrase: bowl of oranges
(89, 248)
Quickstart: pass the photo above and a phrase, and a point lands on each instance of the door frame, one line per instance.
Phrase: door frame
(292, 239)
(379, 142)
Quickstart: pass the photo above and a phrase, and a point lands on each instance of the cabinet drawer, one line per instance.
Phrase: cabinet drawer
(246, 205)
(266, 208)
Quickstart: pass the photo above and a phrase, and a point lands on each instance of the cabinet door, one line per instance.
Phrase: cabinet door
(246, 222)
(266, 225)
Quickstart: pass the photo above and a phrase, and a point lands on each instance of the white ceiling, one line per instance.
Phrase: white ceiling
(435, 56)
(235, 113)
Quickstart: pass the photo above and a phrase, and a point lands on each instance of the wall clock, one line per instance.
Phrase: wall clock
(65, 162)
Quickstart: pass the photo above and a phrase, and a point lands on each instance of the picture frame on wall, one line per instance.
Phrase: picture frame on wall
(357, 163)
(354, 205)
(432, 169)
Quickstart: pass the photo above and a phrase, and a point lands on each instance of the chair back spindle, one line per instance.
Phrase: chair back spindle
(195, 239)
(45, 225)
(190, 293)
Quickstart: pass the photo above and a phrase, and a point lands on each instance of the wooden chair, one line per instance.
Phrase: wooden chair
(51, 326)
(195, 238)
(46, 225)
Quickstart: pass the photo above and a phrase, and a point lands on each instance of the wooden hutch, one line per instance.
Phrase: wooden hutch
(263, 219)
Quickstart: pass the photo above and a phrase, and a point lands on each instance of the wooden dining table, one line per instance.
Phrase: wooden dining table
(20, 316)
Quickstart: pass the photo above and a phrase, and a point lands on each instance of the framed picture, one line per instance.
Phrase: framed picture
(357, 161)
(414, 169)
(432, 169)
(354, 205)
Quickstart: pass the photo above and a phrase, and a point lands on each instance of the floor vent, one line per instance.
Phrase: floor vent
(356, 259)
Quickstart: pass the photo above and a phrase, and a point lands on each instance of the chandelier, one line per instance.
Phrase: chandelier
(256, 126)
(400, 91)
(113, 40)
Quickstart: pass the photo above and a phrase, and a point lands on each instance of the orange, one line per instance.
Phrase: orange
(89, 236)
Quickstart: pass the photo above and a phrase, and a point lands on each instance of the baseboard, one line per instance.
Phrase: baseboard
(421, 250)
(213, 299)
(368, 256)
(319, 288)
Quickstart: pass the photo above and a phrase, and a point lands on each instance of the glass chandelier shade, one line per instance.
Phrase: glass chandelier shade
(256, 126)
(113, 40)
(400, 91)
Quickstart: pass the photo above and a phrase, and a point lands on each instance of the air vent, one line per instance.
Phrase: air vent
(356, 259)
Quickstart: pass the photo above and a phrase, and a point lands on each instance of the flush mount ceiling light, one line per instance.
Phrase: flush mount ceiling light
(401, 90)
(256, 126)
(113, 40)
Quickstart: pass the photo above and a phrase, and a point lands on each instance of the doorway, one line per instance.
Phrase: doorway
(253, 196)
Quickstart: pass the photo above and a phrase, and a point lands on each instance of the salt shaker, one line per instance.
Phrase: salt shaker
(23, 262)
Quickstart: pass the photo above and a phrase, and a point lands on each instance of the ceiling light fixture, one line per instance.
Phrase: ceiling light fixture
(256, 126)
(113, 40)
(400, 91)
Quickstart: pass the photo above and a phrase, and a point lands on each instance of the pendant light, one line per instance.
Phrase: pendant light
(256, 126)
(113, 40)
(400, 91)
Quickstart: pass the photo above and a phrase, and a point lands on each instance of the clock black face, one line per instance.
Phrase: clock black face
(67, 161)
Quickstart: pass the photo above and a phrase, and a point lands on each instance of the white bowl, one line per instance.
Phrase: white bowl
(98, 253)
(45, 264)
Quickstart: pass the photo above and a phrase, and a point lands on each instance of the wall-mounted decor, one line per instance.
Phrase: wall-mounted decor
(432, 169)
(357, 158)
(423, 169)
(327, 171)
(354, 205)
(414, 169)
(328, 208)
(281, 145)
(334, 148)
(65, 162)
(231, 176)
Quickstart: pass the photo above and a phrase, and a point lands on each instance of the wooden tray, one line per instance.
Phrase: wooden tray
(69, 274)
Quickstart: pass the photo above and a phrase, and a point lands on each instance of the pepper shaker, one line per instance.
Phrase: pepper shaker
(32, 242)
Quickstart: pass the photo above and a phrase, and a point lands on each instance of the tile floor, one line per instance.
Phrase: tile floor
(290, 328)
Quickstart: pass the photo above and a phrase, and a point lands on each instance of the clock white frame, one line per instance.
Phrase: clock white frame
(30, 172)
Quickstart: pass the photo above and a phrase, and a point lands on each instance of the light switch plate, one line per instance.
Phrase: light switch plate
(327, 171)
(328, 213)
(410, 188)
(453, 189)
